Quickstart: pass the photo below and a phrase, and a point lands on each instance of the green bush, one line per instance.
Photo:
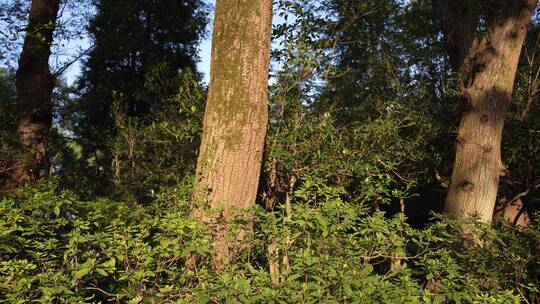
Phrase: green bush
(55, 248)
(9, 109)
(162, 150)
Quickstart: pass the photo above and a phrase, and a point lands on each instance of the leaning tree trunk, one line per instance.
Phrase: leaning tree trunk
(34, 84)
(236, 118)
(486, 63)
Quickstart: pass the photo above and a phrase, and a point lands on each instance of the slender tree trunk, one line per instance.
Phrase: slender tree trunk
(34, 84)
(486, 63)
(236, 118)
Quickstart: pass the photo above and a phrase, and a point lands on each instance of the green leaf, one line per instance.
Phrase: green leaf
(166, 289)
(203, 299)
(110, 264)
(368, 269)
(457, 298)
(102, 272)
(438, 299)
(57, 210)
(81, 273)
(136, 300)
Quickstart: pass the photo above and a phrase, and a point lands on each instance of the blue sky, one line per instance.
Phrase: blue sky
(206, 47)
(204, 65)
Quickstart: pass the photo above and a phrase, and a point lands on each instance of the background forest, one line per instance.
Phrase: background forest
(355, 194)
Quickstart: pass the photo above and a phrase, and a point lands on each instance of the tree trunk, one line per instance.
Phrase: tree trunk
(236, 118)
(34, 84)
(486, 63)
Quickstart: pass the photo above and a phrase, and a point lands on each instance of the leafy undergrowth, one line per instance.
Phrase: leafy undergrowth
(55, 248)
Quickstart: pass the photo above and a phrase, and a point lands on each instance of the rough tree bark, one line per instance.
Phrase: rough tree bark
(34, 84)
(485, 60)
(236, 118)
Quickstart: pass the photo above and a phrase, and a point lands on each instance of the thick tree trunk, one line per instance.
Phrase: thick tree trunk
(486, 63)
(236, 117)
(34, 85)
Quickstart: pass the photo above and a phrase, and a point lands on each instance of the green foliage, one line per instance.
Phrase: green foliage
(131, 39)
(9, 111)
(138, 156)
(148, 156)
(55, 248)
(7, 96)
(375, 161)
(140, 50)
(521, 140)
(348, 110)
(358, 122)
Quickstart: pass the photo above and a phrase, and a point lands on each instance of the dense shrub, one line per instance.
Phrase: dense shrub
(55, 248)
(162, 150)
(8, 115)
